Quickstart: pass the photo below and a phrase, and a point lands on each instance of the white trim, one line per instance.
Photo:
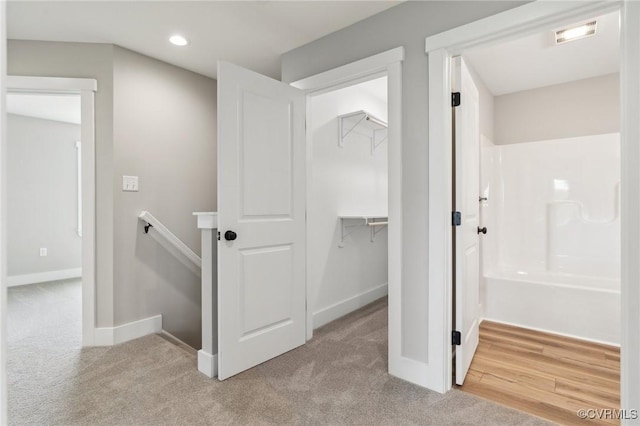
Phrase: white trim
(109, 336)
(50, 84)
(209, 295)
(170, 237)
(364, 68)
(41, 277)
(79, 187)
(331, 313)
(630, 206)
(389, 63)
(309, 142)
(535, 16)
(399, 365)
(3, 215)
(439, 223)
(87, 136)
(206, 220)
(207, 363)
(86, 88)
(515, 23)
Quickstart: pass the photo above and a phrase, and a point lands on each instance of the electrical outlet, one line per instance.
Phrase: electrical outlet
(43, 251)
(130, 183)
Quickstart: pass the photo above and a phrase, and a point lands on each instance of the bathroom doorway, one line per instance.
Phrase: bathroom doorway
(543, 325)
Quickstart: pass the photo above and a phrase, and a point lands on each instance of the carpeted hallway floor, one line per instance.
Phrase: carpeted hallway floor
(338, 378)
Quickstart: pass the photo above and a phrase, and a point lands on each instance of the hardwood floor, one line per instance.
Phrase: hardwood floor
(544, 374)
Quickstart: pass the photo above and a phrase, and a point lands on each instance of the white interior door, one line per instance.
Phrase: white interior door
(261, 212)
(466, 199)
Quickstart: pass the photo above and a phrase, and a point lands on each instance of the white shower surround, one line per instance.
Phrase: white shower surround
(551, 259)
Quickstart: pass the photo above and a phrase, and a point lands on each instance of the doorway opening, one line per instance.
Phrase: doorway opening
(51, 219)
(540, 297)
(347, 200)
(44, 234)
(279, 111)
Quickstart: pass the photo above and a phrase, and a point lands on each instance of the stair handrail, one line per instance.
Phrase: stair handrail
(154, 223)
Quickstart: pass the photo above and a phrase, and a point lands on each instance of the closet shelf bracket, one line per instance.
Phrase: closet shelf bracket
(348, 224)
(366, 124)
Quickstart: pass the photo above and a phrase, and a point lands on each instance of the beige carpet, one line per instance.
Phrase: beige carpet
(337, 378)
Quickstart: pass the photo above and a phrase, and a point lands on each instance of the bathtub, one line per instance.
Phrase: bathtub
(576, 306)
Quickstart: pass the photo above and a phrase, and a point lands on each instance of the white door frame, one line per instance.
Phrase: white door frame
(86, 88)
(508, 25)
(387, 63)
(3, 210)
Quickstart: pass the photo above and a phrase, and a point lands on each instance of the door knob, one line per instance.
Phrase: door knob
(230, 235)
(482, 230)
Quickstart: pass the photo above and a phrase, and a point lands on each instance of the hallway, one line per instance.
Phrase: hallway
(338, 378)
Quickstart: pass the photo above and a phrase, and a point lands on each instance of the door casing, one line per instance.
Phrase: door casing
(86, 88)
(387, 63)
(518, 22)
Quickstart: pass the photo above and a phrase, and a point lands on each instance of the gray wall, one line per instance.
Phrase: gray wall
(165, 133)
(42, 203)
(83, 60)
(579, 108)
(158, 122)
(405, 25)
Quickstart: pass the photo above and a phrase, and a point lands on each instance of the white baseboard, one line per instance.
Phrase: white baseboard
(342, 308)
(207, 363)
(41, 277)
(109, 336)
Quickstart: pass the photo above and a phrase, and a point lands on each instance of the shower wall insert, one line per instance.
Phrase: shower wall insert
(551, 258)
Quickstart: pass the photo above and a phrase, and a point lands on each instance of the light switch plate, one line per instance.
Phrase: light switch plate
(130, 183)
(43, 251)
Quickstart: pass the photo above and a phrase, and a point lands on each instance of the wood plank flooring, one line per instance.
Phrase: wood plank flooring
(544, 374)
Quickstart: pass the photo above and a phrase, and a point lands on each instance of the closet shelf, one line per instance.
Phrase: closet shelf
(348, 224)
(365, 123)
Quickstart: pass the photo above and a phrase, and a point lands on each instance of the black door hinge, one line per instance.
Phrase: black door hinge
(455, 99)
(456, 218)
(218, 235)
(456, 338)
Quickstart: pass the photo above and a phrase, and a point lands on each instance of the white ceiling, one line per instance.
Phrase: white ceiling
(252, 34)
(535, 61)
(376, 88)
(64, 108)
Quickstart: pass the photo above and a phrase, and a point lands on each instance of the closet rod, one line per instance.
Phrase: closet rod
(377, 223)
(376, 120)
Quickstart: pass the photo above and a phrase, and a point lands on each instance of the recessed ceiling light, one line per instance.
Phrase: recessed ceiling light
(575, 33)
(178, 40)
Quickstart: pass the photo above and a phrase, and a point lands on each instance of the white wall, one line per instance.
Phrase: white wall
(347, 180)
(584, 107)
(42, 196)
(551, 260)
